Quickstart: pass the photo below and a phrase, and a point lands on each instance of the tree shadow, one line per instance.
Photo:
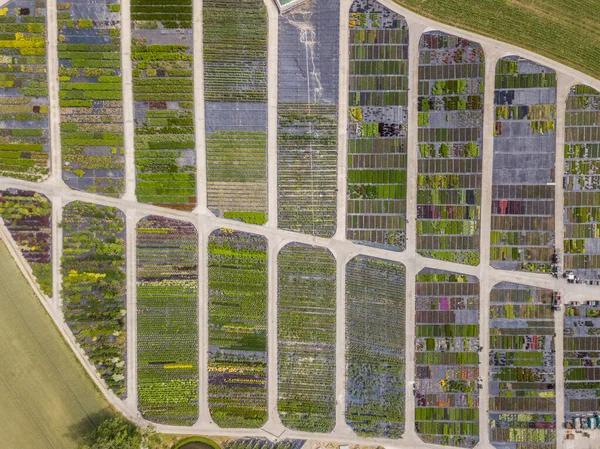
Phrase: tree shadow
(82, 428)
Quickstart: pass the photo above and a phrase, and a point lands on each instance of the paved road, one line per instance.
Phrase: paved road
(343, 250)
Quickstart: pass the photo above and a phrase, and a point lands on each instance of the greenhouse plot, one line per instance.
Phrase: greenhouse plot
(582, 183)
(451, 86)
(522, 408)
(167, 308)
(581, 356)
(27, 216)
(378, 116)
(24, 135)
(375, 347)
(522, 237)
(262, 443)
(446, 345)
(163, 93)
(237, 328)
(93, 286)
(306, 337)
(91, 95)
(307, 125)
(235, 88)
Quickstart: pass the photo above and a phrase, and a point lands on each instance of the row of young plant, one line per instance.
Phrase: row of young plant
(163, 93)
(262, 443)
(306, 320)
(235, 92)
(91, 95)
(27, 217)
(378, 116)
(522, 379)
(451, 83)
(237, 329)
(524, 162)
(582, 183)
(375, 347)
(167, 320)
(93, 286)
(446, 358)
(24, 135)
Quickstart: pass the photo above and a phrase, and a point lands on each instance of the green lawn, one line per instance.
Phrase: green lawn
(47, 401)
(564, 30)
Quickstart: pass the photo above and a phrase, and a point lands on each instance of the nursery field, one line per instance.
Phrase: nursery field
(532, 24)
(582, 183)
(307, 149)
(27, 216)
(235, 89)
(581, 355)
(447, 359)
(306, 337)
(24, 135)
(163, 93)
(91, 95)
(451, 86)
(375, 347)
(93, 286)
(377, 135)
(262, 443)
(522, 237)
(522, 408)
(48, 400)
(167, 313)
(237, 328)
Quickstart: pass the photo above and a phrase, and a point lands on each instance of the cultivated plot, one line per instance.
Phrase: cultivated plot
(451, 86)
(93, 286)
(235, 89)
(378, 115)
(262, 443)
(24, 135)
(581, 355)
(447, 359)
(306, 337)
(167, 320)
(237, 328)
(522, 408)
(582, 182)
(375, 347)
(163, 93)
(91, 96)
(27, 216)
(522, 236)
(307, 112)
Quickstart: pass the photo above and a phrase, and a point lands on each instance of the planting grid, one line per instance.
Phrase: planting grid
(307, 118)
(27, 216)
(24, 135)
(582, 182)
(163, 93)
(93, 286)
(235, 89)
(581, 355)
(262, 443)
(167, 326)
(522, 237)
(450, 121)
(375, 347)
(446, 358)
(378, 115)
(91, 96)
(306, 321)
(522, 408)
(237, 328)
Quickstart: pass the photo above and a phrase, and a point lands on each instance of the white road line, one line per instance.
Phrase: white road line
(199, 111)
(128, 105)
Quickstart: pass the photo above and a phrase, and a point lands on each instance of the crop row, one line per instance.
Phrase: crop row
(167, 311)
(522, 408)
(377, 136)
(91, 96)
(24, 137)
(237, 333)
(93, 286)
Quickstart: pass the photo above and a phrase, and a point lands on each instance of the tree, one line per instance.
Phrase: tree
(117, 433)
